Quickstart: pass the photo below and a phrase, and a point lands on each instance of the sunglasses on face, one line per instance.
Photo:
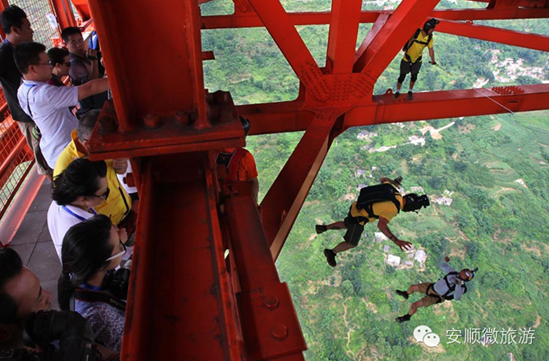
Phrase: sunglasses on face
(103, 196)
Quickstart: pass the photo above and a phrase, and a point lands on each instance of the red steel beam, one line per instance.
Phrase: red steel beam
(251, 20)
(409, 15)
(83, 9)
(181, 306)
(501, 36)
(159, 85)
(428, 105)
(63, 10)
(194, 46)
(451, 104)
(343, 34)
(285, 198)
(515, 3)
(360, 56)
(284, 33)
(269, 322)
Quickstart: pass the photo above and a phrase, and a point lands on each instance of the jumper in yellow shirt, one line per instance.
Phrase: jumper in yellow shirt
(386, 210)
(415, 50)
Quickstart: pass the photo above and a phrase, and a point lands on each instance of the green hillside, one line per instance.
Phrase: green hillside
(495, 170)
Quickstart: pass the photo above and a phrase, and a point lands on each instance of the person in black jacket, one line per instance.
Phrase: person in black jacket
(18, 30)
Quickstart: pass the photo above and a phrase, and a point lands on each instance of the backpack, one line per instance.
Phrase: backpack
(416, 35)
(231, 162)
(376, 194)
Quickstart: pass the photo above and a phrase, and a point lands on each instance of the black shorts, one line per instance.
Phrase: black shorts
(354, 229)
(406, 67)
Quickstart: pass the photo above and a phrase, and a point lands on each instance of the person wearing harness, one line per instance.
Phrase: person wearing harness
(91, 251)
(450, 287)
(382, 203)
(76, 192)
(411, 62)
(239, 164)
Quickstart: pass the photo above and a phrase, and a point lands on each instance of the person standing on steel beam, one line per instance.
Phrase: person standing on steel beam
(239, 164)
(380, 202)
(47, 104)
(18, 29)
(413, 50)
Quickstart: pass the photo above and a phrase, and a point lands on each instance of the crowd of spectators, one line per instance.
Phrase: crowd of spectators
(56, 97)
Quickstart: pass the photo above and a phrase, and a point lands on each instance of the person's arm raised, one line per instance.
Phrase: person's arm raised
(92, 87)
(383, 225)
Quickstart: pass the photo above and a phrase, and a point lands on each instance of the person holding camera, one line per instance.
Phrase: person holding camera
(380, 202)
(450, 287)
(91, 251)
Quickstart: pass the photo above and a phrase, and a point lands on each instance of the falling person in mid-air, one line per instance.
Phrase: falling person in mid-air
(450, 287)
(380, 202)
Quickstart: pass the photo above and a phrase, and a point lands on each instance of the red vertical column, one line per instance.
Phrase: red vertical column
(63, 11)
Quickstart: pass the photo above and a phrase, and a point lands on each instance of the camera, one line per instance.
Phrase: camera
(423, 201)
(118, 282)
(76, 340)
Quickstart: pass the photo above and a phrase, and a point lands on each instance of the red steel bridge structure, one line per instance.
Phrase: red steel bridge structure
(187, 301)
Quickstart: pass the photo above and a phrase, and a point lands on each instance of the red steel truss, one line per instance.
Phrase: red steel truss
(189, 300)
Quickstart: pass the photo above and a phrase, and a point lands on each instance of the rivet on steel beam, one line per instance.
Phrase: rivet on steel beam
(220, 97)
(182, 118)
(226, 115)
(152, 121)
(107, 125)
(279, 332)
(193, 116)
(271, 302)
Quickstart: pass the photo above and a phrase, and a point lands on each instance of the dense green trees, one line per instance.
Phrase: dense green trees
(497, 220)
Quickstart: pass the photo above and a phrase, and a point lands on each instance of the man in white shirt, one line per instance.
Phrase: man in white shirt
(76, 191)
(46, 104)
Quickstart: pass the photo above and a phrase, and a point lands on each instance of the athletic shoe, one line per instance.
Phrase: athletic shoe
(320, 228)
(330, 257)
(410, 95)
(402, 293)
(397, 94)
(403, 318)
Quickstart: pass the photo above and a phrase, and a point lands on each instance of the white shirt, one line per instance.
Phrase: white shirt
(121, 177)
(441, 287)
(61, 219)
(49, 108)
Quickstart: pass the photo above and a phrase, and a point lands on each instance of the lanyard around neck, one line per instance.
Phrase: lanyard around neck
(76, 215)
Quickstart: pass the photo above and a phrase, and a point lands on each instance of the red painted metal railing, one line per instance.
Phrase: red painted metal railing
(16, 159)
